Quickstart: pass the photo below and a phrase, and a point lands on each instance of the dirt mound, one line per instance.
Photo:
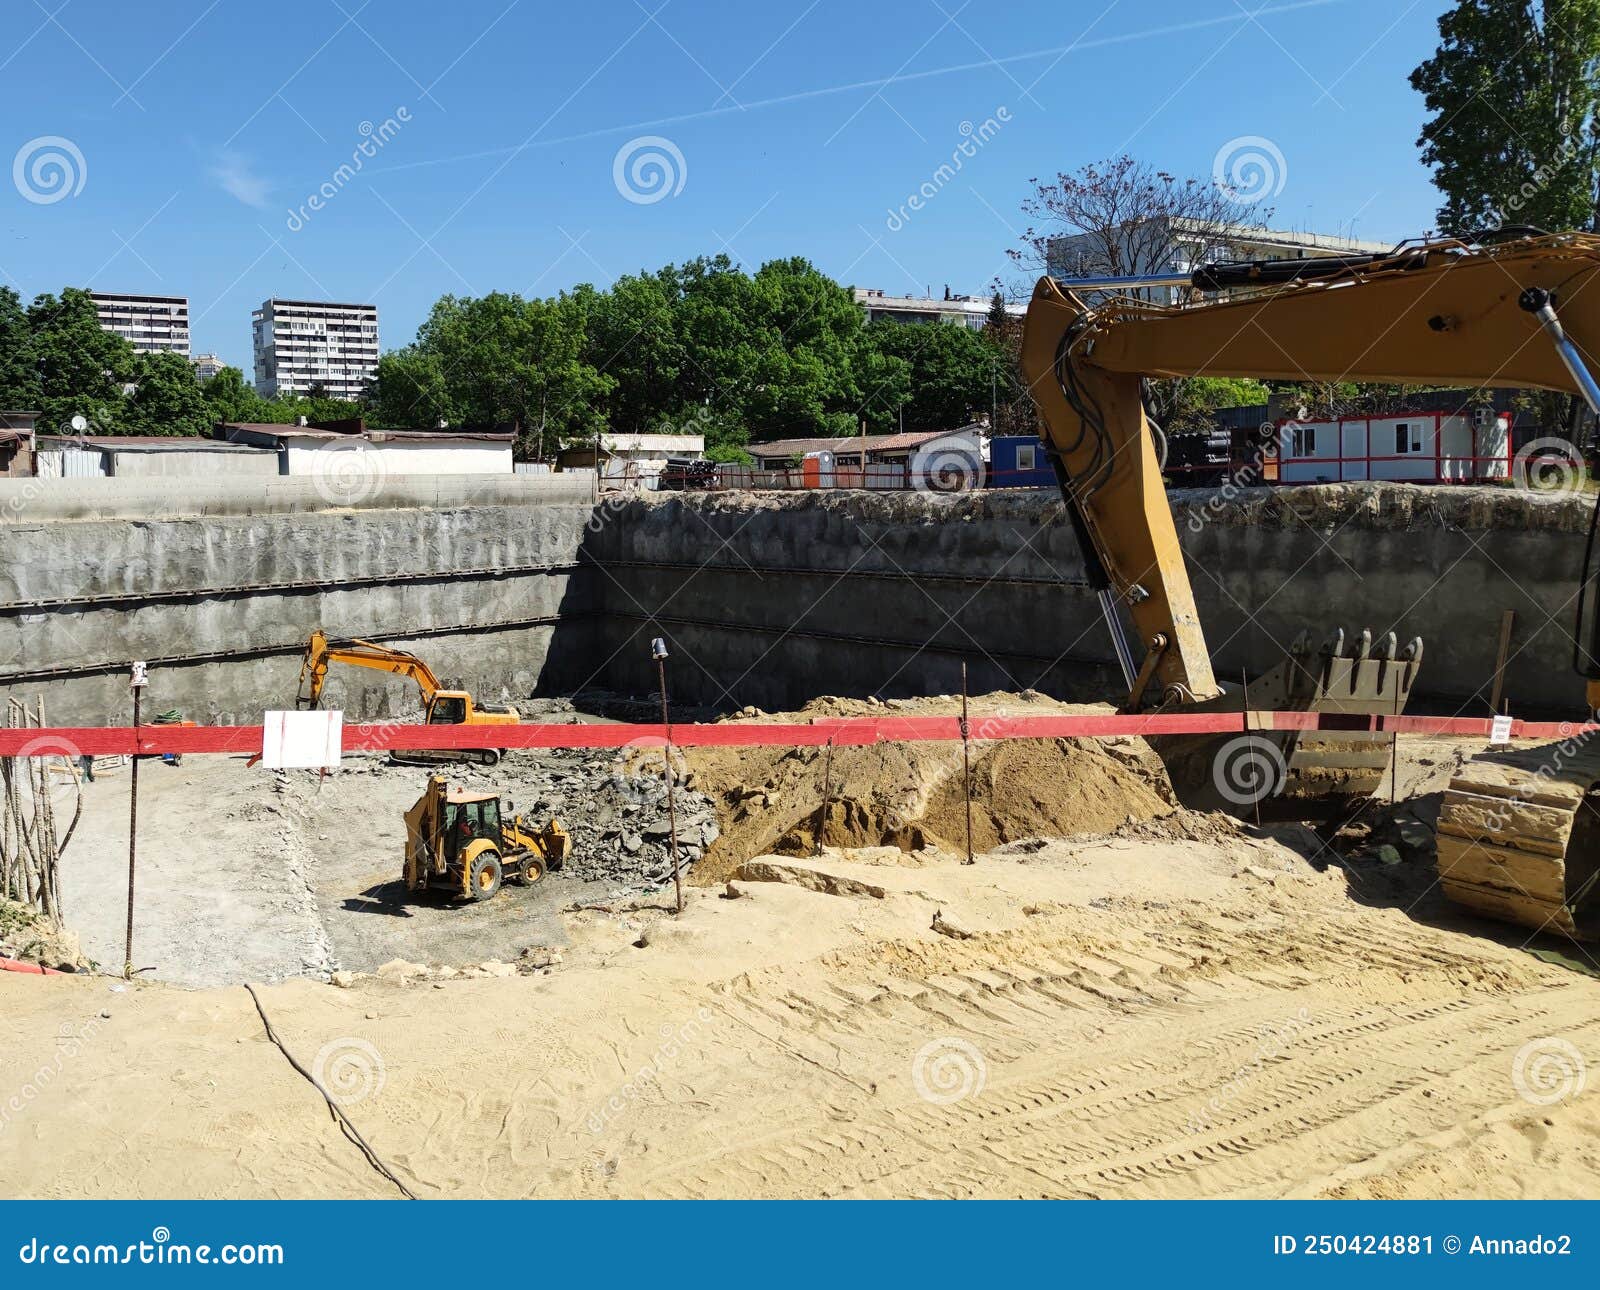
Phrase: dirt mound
(770, 800)
(29, 936)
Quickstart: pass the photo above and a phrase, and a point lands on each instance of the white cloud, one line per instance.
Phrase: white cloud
(233, 171)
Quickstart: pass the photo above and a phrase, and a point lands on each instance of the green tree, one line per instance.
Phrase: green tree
(1195, 399)
(411, 389)
(230, 398)
(82, 368)
(808, 332)
(952, 372)
(167, 399)
(1511, 95)
(19, 372)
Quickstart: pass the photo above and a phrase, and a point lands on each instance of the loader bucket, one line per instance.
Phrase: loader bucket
(1316, 775)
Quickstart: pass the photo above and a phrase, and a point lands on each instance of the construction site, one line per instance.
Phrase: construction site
(491, 838)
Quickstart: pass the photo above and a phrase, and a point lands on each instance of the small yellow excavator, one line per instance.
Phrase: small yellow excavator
(440, 707)
(460, 843)
(1519, 833)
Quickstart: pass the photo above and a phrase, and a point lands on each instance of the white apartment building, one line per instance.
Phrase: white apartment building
(304, 343)
(206, 366)
(965, 311)
(151, 324)
(1177, 245)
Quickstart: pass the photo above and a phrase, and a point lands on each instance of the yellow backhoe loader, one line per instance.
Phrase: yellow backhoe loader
(1519, 834)
(440, 707)
(459, 842)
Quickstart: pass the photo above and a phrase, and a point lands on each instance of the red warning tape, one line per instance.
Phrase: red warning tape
(101, 741)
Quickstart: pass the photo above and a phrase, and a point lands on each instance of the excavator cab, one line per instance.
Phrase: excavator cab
(448, 709)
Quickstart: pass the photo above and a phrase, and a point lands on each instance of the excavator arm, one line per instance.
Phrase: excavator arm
(320, 652)
(1523, 314)
(1519, 831)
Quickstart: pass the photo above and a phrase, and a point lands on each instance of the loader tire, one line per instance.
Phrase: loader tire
(486, 876)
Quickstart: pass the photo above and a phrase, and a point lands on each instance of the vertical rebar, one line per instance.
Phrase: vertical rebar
(966, 758)
(133, 834)
(666, 770)
(1244, 683)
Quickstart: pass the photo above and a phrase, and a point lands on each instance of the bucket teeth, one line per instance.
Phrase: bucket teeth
(1364, 643)
(1389, 647)
(1335, 645)
(1414, 650)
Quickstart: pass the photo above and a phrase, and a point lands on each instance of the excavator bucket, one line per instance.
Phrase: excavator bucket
(1320, 775)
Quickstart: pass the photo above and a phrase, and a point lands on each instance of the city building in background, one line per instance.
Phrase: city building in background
(305, 344)
(968, 311)
(1166, 244)
(151, 324)
(206, 366)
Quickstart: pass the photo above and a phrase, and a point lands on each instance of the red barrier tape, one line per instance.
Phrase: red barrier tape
(27, 969)
(101, 741)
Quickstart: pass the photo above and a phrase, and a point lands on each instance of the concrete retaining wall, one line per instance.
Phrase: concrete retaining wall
(221, 606)
(766, 599)
(996, 577)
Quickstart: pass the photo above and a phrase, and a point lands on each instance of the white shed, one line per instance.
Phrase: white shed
(314, 451)
(1425, 447)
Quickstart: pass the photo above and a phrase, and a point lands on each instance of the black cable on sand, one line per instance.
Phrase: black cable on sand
(350, 1130)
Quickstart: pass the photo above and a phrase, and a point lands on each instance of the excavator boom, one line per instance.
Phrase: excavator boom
(320, 652)
(1523, 313)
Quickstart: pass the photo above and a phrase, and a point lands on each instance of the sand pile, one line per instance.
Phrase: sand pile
(770, 800)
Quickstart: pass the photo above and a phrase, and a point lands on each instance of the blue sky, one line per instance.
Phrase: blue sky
(196, 131)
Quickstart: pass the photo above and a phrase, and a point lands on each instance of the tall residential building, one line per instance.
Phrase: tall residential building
(150, 323)
(206, 366)
(304, 343)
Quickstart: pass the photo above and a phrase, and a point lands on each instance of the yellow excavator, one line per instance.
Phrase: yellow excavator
(459, 842)
(1519, 833)
(440, 707)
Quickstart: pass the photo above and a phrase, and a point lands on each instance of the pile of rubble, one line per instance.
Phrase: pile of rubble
(614, 803)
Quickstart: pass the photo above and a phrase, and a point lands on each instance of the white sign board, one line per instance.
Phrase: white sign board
(1500, 730)
(301, 740)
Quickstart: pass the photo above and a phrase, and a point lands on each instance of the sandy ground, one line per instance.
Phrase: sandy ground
(1165, 1005)
(1121, 1017)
